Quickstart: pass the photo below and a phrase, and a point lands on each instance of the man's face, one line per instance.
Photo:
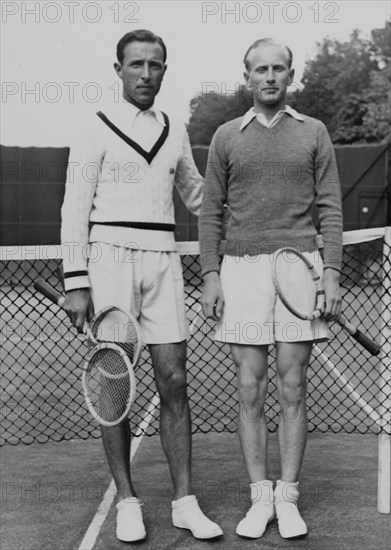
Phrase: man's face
(268, 74)
(141, 72)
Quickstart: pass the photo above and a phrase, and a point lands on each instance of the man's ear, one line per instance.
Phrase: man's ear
(291, 76)
(118, 69)
(164, 70)
(248, 85)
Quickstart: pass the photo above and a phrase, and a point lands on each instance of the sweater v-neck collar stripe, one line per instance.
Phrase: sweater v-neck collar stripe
(267, 129)
(147, 155)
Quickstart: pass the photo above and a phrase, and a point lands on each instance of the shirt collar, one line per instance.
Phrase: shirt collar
(151, 111)
(126, 110)
(251, 114)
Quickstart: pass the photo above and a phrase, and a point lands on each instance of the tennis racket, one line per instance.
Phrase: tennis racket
(108, 380)
(300, 289)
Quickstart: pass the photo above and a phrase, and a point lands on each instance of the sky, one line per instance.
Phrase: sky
(57, 57)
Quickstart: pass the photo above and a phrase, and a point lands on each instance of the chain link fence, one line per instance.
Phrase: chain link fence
(41, 356)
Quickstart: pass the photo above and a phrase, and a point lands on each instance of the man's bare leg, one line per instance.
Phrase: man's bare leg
(292, 363)
(116, 442)
(251, 365)
(169, 362)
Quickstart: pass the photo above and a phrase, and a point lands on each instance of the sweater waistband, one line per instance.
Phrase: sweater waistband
(141, 225)
(155, 240)
(235, 248)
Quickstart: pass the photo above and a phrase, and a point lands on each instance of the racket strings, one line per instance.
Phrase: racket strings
(129, 349)
(297, 286)
(116, 327)
(109, 384)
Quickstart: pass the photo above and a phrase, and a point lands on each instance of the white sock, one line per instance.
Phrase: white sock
(286, 492)
(262, 491)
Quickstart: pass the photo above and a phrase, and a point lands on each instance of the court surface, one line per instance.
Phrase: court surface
(51, 493)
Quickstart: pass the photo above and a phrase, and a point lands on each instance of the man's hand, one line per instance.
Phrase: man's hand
(333, 294)
(78, 306)
(212, 299)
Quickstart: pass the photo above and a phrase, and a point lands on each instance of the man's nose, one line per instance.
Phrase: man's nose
(270, 76)
(146, 73)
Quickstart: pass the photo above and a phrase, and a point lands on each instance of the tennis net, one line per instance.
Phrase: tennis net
(41, 356)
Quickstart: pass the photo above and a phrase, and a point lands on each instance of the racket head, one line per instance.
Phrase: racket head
(116, 326)
(298, 284)
(109, 383)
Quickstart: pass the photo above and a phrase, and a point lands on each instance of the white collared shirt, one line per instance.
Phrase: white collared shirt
(144, 127)
(251, 114)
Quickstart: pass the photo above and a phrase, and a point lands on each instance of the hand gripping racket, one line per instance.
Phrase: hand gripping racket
(286, 274)
(108, 380)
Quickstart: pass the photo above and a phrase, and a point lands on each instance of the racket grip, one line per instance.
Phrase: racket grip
(367, 343)
(47, 290)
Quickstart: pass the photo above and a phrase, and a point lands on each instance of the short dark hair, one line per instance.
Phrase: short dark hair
(140, 35)
(265, 42)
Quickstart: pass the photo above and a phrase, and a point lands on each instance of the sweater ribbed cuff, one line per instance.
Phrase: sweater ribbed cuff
(76, 282)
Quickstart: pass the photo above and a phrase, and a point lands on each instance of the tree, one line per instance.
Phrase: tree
(365, 117)
(210, 110)
(347, 87)
(338, 70)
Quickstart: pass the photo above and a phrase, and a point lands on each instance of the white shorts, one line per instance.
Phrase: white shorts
(147, 284)
(253, 314)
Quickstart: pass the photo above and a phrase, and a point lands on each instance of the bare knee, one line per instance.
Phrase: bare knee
(173, 382)
(251, 388)
(251, 367)
(169, 363)
(292, 387)
(292, 363)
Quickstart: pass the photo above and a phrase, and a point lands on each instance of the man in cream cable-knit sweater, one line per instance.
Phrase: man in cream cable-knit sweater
(266, 169)
(119, 202)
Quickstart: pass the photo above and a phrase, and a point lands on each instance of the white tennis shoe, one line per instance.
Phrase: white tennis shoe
(290, 523)
(254, 524)
(186, 514)
(130, 525)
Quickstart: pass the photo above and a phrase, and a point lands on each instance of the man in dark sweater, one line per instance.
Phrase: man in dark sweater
(265, 170)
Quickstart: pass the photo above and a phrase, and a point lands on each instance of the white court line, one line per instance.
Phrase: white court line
(92, 532)
(347, 386)
(193, 324)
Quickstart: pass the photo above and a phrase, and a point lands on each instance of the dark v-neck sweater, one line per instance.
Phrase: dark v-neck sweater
(267, 179)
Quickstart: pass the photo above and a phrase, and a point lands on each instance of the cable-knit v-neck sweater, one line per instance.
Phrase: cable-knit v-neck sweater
(111, 186)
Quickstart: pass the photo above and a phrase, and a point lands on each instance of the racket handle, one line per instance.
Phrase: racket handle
(367, 343)
(47, 290)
